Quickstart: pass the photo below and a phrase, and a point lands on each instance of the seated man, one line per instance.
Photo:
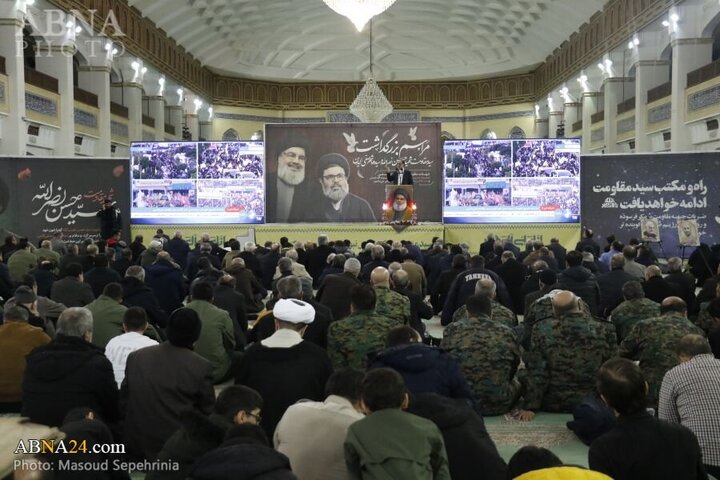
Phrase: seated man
(489, 353)
(640, 446)
(199, 434)
(565, 352)
(390, 443)
(134, 324)
(69, 372)
(688, 395)
(424, 369)
(284, 368)
(17, 339)
(311, 434)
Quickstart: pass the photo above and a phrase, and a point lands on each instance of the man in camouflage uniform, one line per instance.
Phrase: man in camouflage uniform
(488, 288)
(564, 356)
(652, 341)
(363, 332)
(391, 305)
(542, 309)
(635, 308)
(489, 354)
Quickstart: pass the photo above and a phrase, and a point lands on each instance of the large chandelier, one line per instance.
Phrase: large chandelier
(359, 11)
(371, 105)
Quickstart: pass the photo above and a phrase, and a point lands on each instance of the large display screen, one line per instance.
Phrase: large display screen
(512, 181)
(197, 182)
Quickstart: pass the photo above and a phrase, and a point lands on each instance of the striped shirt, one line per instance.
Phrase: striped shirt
(689, 396)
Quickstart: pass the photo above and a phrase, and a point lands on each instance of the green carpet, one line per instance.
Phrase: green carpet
(545, 430)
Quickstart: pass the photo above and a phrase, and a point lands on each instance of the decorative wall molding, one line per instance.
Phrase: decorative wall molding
(240, 92)
(626, 125)
(597, 135)
(603, 32)
(660, 113)
(84, 118)
(40, 104)
(119, 129)
(704, 98)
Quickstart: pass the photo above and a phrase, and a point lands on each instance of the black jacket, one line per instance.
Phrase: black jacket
(392, 177)
(658, 289)
(685, 286)
(178, 250)
(425, 369)
(611, 284)
(167, 284)
(464, 287)
(560, 253)
(472, 455)
(98, 277)
(418, 309)
(513, 274)
(242, 459)
(440, 291)
(110, 222)
(71, 292)
(198, 435)
(581, 282)
(68, 373)
(334, 293)
(225, 297)
(316, 261)
(137, 294)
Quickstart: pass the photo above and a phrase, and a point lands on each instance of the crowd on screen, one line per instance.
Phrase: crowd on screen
(159, 161)
(311, 359)
(479, 161)
(540, 159)
(164, 198)
(229, 161)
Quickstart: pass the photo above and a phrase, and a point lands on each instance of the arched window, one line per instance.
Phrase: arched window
(230, 135)
(517, 132)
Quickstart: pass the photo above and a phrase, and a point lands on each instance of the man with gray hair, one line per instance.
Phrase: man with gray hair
(68, 373)
(377, 260)
(635, 308)
(418, 308)
(611, 283)
(656, 287)
(285, 268)
(683, 282)
(486, 287)
(333, 292)
(137, 294)
(298, 269)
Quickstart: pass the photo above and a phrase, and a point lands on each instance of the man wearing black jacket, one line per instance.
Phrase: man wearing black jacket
(418, 308)
(580, 281)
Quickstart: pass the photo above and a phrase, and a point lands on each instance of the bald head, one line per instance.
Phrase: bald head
(486, 287)
(400, 278)
(673, 304)
(380, 276)
(565, 302)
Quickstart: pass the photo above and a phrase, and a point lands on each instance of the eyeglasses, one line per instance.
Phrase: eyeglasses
(337, 176)
(294, 156)
(256, 416)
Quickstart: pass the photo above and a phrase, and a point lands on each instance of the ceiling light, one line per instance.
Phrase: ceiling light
(371, 105)
(144, 70)
(631, 45)
(135, 65)
(359, 11)
(69, 24)
(665, 23)
(636, 41)
(180, 91)
(29, 2)
(608, 62)
(78, 29)
(108, 46)
(197, 102)
(114, 51)
(674, 17)
(161, 80)
(601, 67)
(210, 111)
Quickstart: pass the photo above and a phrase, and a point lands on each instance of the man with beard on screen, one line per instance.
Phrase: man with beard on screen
(288, 192)
(339, 205)
(400, 207)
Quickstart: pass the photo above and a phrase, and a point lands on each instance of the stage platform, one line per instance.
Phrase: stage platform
(421, 234)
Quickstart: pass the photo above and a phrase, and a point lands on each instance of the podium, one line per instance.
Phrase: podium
(406, 216)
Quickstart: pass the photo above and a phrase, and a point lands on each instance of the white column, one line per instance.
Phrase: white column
(570, 116)
(157, 111)
(617, 89)
(688, 54)
(541, 128)
(590, 102)
(554, 120)
(174, 114)
(14, 129)
(132, 99)
(648, 75)
(56, 60)
(193, 124)
(96, 79)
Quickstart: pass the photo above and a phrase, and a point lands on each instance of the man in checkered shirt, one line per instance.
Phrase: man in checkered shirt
(690, 395)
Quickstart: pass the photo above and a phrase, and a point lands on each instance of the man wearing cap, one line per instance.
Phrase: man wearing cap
(284, 368)
(339, 205)
(288, 191)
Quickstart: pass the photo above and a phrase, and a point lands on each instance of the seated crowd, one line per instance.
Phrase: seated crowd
(325, 368)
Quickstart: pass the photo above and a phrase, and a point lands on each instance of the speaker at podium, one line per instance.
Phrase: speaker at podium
(399, 206)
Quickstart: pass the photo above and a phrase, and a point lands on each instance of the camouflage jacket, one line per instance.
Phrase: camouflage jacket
(630, 312)
(353, 338)
(500, 313)
(392, 305)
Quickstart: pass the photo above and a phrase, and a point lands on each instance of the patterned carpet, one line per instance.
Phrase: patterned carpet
(546, 430)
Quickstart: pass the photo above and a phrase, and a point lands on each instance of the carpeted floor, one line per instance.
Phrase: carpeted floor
(545, 430)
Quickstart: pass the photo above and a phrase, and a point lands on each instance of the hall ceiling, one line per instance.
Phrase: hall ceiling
(303, 40)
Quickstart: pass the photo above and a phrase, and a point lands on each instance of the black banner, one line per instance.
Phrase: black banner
(357, 157)
(41, 196)
(618, 191)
